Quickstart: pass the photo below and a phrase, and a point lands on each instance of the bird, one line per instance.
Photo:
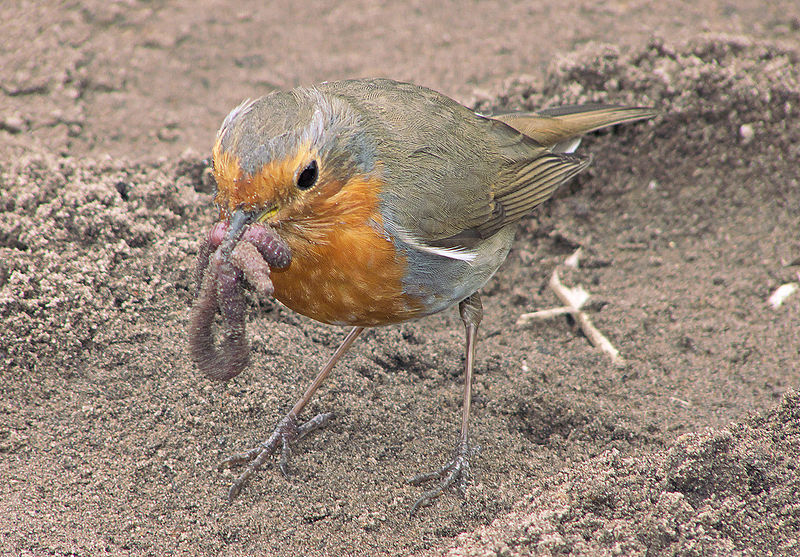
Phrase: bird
(396, 203)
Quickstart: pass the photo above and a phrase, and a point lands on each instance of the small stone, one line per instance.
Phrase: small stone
(747, 133)
(13, 124)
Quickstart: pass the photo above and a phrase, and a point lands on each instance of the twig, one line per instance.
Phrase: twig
(574, 299)
(543, 315)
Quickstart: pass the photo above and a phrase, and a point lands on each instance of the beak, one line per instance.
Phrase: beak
(268, 214)
(239, 220)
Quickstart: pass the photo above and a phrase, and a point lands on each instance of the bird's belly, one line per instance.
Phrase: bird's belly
(353, 278)
(357, 277)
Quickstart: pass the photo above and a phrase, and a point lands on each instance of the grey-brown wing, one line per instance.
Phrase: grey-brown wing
(455, 177)
(439, 159)
(527, 184)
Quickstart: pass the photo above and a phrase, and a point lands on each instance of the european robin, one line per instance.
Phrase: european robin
(396, 202)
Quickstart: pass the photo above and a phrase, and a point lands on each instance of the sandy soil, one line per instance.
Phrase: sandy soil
(109, 438)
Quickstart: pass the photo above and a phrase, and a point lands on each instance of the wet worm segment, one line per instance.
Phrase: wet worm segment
(229, 254)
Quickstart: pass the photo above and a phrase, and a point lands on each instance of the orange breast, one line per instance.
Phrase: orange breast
(344, 271)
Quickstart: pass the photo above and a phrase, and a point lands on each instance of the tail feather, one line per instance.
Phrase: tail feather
(558, 128)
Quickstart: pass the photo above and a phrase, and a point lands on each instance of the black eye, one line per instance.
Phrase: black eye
(308, 177)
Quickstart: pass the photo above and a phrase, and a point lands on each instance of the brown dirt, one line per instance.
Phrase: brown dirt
(109, 438)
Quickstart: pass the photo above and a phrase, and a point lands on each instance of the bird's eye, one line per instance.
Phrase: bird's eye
(308, 177)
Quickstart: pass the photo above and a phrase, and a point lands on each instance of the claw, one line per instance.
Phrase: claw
(286, 434)
(286, 453)
(455, 470)
(239, 458)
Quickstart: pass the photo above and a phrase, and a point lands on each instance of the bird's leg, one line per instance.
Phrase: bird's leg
(457, 470)
(287, 432)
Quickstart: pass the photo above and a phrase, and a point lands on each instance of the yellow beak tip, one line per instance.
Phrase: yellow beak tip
(266, 215)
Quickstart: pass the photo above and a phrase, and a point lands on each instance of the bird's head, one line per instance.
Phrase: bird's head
(294, 160)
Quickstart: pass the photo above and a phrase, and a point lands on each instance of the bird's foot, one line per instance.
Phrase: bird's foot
(455, 472)
(286, 434)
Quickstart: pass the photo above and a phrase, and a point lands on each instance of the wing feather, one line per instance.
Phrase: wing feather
(468, 175)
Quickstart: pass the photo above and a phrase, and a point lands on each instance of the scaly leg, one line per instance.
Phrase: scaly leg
(288, 432)
(457, 470)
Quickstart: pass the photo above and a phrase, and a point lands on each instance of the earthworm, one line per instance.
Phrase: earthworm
(246, 257)
(271, 246)
(221, 264)
(215, 237)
